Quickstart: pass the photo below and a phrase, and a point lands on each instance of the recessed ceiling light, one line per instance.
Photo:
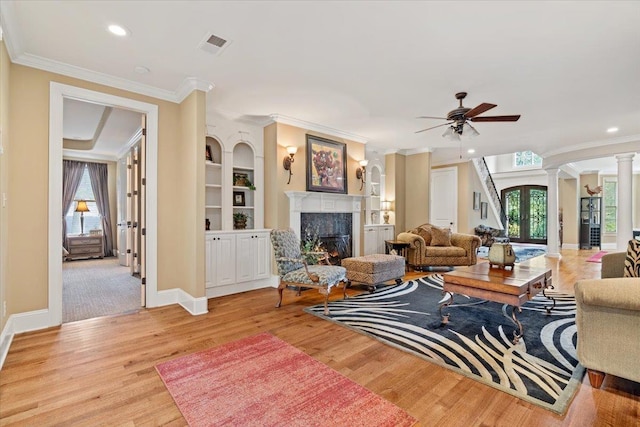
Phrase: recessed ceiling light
(141, 70)
(471, 151)
(612, 130)
(118, 30)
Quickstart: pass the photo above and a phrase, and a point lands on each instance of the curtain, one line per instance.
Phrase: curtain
(100, 187)
(71, 176)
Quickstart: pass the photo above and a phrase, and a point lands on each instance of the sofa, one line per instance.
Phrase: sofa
(431, 246)
(608, 322)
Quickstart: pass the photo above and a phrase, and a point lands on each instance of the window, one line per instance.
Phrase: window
(92, 219)
(610, 197)
(526, 158)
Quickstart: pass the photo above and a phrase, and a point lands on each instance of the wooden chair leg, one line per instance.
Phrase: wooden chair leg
(280, 289)
(595, 378)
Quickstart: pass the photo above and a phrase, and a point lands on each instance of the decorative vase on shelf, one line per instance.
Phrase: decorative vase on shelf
(374, 217)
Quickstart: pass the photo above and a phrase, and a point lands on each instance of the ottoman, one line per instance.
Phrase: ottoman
(371, 270)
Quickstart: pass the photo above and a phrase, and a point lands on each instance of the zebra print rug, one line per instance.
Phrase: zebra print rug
(542, 368)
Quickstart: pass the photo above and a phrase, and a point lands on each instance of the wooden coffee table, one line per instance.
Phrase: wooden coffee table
(514, 287)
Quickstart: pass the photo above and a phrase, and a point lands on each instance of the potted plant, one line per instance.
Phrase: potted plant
(240, 220)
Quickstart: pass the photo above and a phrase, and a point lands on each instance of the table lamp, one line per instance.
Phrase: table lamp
(82, 208)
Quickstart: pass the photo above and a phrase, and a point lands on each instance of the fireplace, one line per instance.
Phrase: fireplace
(333, 229)
(338, 214)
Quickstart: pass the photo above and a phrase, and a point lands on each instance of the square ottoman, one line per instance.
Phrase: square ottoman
(371, 270)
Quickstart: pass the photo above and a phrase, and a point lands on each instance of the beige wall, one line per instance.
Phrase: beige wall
(395, 187)
(417, 178)
(192, 113)
(569, 204)
(4, 175)
(276, 142)
(28, 189)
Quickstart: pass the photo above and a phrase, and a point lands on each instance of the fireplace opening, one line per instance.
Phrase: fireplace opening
(332, 231)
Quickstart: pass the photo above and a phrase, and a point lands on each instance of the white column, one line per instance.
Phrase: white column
(553, 226)
(625, 193)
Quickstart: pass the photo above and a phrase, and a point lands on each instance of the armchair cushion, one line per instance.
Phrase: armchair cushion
(632, 260)
(328, 274)
(440, 236)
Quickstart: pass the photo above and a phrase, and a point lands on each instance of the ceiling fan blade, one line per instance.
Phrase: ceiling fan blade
(479, 109)
(433, 127)
(496, 118)
(429, 117)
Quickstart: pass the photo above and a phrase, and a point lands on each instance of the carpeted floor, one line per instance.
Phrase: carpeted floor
(542, 368)
(97, 287)
(263, 381)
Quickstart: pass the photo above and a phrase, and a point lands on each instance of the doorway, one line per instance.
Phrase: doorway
(58, 93)
(526, 208)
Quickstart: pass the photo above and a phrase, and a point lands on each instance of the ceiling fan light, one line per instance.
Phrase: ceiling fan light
(469, 131)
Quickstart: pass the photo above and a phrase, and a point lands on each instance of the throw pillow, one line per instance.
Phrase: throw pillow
(425, 233)
(632, 261)
(440, 236)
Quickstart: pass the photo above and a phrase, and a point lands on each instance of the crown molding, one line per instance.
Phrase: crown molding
(7, 20)
(187, 86)
(132, 141)
(279, 118)
(592, 144)
(413, 151)
(90, 155)
(190, 84)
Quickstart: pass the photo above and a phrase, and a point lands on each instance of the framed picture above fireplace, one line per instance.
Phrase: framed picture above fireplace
(326, 165)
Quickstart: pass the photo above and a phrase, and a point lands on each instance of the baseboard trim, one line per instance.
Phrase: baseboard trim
(21, 322)
(6, 337)
(234, 288)
(570, 246)
(195, 306)
(609, 246)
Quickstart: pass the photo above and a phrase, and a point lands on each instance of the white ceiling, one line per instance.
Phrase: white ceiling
(367, 68)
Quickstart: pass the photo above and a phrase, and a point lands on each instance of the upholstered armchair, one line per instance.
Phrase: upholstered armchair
(608, 322)
(294, 270)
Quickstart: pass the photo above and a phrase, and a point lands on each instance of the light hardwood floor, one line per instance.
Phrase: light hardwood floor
(101, 371)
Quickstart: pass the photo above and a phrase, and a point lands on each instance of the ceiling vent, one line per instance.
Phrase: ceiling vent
(214, 44)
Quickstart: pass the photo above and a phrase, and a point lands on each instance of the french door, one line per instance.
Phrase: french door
(526, 208)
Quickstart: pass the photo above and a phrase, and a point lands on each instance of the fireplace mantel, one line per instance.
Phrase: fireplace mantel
(309, 201)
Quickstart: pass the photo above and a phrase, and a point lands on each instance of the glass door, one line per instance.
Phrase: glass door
(526, 208)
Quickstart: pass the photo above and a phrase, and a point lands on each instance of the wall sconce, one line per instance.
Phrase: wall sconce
(287, 161)
(386, 207)
(361, 172)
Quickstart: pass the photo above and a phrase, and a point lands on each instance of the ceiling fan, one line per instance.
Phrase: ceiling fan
(458, 119)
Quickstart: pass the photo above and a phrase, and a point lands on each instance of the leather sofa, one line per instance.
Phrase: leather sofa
(429, 247)
(608, 322)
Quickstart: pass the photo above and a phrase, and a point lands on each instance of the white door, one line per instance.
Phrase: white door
(122, 212)
(444, 198)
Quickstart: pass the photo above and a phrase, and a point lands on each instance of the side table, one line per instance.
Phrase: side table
(399, 247)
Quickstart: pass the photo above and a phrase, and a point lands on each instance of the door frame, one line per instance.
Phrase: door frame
(57, 94)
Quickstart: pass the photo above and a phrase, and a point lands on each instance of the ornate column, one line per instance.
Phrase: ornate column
(553, 222)
(625, 193)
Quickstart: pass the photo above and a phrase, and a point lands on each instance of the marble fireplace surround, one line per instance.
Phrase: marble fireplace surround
(309, 201)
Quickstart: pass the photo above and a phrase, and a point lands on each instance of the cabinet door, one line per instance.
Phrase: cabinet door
(208, 261)
(263, 256)
(245, 257)
(384, 233)
(370, 240)
(223, 258)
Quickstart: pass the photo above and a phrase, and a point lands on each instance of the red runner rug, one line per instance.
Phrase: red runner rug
(597, 257)
(263, 381)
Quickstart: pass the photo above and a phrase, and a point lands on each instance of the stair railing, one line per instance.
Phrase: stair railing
(491, 190)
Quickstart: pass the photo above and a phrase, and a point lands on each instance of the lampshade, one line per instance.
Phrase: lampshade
(451, 134)
(470, 131)
(292, 149)
(386, 205)
(82, 206)
(364, 163)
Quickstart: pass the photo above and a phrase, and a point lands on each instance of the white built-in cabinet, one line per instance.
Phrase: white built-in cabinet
(374, 237)
(236, 260)
(374, 194)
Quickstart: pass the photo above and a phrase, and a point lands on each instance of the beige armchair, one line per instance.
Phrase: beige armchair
(608, 322)
(428, 247)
